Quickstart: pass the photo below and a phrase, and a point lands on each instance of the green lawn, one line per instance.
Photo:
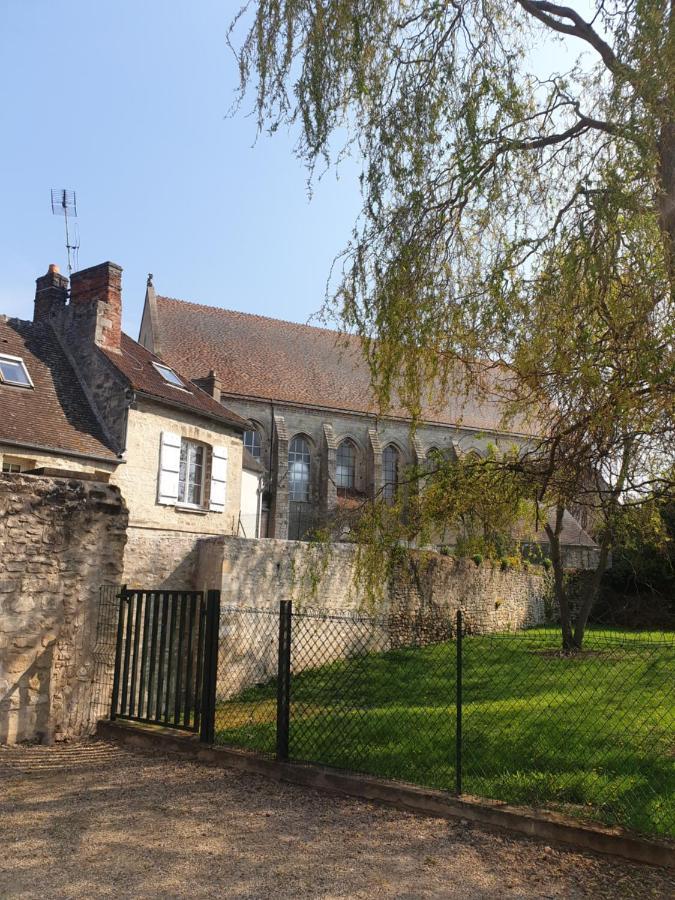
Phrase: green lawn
(593, 736)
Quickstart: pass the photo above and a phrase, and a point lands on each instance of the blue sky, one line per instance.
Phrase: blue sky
(126, 102)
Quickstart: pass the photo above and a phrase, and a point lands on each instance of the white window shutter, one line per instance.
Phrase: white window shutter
(169, 468)
(218, 479)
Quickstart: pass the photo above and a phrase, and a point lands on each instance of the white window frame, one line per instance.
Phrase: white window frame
(186, 504)
(161, 368)
(24, 367)
(256, 434)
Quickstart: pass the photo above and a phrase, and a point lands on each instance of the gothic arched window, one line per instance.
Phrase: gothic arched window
(390, 473)
(345, 468)
(298, 469)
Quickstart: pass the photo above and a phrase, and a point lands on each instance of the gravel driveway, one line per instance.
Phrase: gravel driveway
(97, 820)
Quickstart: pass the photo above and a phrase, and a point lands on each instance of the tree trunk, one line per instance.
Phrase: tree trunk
(559, 579)
(667, 156)
(590, 594)
(667, 200)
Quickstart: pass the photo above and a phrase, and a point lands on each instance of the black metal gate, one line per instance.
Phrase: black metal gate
(165, 658)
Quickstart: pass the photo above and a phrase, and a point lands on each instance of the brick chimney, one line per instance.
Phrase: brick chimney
(212, 384)
(95, 309)
(51, 293)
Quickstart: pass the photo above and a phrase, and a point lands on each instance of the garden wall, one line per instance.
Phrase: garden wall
(60, 540)
(418, 607)
(263, 572)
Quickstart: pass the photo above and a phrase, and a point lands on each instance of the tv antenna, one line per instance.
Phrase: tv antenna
(64, 203)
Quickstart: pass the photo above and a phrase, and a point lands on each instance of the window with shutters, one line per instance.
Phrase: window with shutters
(191, 473)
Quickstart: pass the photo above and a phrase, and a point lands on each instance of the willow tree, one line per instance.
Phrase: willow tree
(518, 222)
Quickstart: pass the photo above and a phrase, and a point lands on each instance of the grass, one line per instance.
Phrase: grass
(592, 735)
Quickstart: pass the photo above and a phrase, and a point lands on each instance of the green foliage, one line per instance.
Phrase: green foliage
(517, 238)
(640, 586)
(486, 508)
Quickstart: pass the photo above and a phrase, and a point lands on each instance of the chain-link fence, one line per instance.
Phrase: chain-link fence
(503, 716)
(104, 651)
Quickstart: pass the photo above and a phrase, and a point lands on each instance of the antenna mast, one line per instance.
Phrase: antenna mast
(64, 203)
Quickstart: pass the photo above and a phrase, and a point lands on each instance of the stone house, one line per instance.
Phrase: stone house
(312, 419)
(78, 395)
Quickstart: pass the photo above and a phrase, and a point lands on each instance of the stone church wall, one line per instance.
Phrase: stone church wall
(60, 540)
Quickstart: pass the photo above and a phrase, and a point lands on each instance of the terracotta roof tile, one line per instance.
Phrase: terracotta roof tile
(55, 414)
(256, 356)
(135, 363)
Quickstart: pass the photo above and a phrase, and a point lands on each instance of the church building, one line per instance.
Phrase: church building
(313, 425)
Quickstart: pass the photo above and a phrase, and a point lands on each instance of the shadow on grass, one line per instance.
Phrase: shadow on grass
(592, 735)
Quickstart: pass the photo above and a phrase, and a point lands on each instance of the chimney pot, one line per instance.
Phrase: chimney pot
(51, 293)
(213, 384)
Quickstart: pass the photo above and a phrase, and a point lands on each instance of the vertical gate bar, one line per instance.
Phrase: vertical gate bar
(161, 665)
(189, 693)
(458, 700)
(179, 662)
(134, 657)
(284, 678)
(118, 653)
(153, 654)
(208, 705)
(169, 662)
(128, 598)
(201, 620)
(144, 657)
(162, 612)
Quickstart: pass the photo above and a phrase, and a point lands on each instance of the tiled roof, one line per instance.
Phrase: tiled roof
(55, 414)
(255, 356)
(135, 363)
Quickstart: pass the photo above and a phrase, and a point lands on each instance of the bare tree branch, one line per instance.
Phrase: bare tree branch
(554, 15)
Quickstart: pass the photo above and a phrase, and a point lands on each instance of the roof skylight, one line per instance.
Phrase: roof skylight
(13, 371)
(169, 375)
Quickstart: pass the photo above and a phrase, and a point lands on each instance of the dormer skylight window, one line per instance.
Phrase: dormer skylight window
(13, 371)
(169, 376)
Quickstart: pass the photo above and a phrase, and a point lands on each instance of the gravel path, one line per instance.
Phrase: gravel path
(96, 820)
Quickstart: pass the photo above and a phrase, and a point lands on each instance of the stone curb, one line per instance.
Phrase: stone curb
(544, 826)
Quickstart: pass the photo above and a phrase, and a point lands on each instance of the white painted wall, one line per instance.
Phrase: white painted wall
(250, 504)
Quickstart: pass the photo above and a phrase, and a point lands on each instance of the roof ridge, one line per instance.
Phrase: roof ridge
(249, 315)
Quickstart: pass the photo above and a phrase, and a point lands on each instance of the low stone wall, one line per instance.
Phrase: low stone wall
(418, 608)
(60, 540)
(161, 558)
(263, 572)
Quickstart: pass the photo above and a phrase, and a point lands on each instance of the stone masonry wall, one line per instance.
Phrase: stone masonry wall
(419, 606)
(161, 558)
(60, 540)
(261, 573)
